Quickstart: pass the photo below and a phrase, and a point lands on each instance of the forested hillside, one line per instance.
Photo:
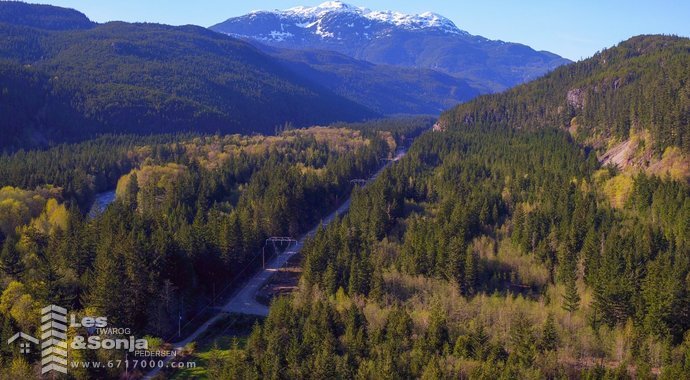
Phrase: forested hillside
(501, 247)
(638, 90)
(43, 16)
(486, 254)
(190, 215)
(539, 233)
(386, 89)
(57, 85)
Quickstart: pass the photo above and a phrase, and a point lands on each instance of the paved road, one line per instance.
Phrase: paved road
(244, 300)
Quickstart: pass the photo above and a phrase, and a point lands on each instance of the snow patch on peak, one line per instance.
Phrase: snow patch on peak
(321, 9)
(280, 35)
(334, 5)
(426, 20)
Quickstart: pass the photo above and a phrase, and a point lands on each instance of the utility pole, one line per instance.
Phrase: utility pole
(274, 239)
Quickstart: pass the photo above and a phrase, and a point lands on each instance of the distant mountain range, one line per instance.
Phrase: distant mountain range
(427, 40)
(72, 78)
(64, 77)
(386, 89)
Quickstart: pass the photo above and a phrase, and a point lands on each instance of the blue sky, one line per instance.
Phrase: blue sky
(573, 29)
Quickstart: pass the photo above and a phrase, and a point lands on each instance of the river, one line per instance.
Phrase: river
(100, 203)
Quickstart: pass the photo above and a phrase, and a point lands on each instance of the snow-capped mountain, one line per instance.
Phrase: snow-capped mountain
(320, 20)
(426, 40)
(332, 20)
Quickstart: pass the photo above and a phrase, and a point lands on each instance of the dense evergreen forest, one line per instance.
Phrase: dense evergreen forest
(190, 216)
(501, 248)
(64, 78)
(641, 84)
(82, 169)
(43, 16)
(504, 245)
(487, 254)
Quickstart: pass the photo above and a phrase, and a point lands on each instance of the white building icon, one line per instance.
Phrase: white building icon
(24, 347)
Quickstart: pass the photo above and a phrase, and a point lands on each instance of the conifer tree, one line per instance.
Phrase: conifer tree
(330, 280)
(376, 292)
(456, 259)
(132, 191)
(104, 293)
(522, 340)
(437, 333)
(571, 298)
(10, 258)
(471, 272)
(479, 342)
(549, 335)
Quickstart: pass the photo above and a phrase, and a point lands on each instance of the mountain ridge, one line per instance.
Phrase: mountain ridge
(390, 90)
(142, 78)
(426, 20)
(427, 41)
(40, 16)
(629, 102)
